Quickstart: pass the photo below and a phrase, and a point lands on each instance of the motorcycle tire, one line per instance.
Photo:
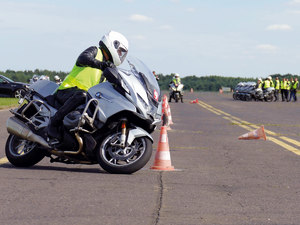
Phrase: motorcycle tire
(22, 153)
(127, 160)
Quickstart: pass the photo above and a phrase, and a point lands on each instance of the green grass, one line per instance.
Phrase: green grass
(8, 102)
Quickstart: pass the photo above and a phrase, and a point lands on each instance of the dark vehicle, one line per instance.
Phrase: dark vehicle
(9, 88)
(244, 91)
(247, 91)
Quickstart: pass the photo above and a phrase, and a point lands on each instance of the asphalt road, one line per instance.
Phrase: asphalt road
(219, 179)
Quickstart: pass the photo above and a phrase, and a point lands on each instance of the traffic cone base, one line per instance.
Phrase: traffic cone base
(256, 134)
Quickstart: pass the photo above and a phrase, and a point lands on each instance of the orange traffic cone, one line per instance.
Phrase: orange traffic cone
(194, 101)
(164, 104)
(169, 115)
(256, 134)
(162, 156)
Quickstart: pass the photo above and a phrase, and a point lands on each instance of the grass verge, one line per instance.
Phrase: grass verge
(8, 103)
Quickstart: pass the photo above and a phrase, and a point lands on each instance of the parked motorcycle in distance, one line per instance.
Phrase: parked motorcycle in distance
(112, 129)
(247, 91)
(176, 92)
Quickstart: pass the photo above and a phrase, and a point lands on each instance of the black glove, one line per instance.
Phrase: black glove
(103, 65)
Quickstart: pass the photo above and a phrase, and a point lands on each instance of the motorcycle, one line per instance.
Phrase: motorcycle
(247, 91)
(176, 92)
(266, 94)
(112, 129)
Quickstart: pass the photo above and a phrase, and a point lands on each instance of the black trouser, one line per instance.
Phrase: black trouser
(70, 99)
(293, 95)
(282, 94)
(286, 95)
(276, 94)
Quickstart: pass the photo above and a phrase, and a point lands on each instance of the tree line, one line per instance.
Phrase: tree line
(203, 83)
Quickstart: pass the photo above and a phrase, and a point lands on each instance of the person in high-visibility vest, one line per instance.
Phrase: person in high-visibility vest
(287, 91)
(284, 86)
(282, 89)
(293, 91)
(267, 83)
(176, 81)
(277, 87)
(87, 72)
(259, 84)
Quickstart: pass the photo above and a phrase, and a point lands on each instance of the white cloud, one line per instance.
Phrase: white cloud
(267, 47)
(279, 27)
(165, 27)
(140, 18)
(190, 10)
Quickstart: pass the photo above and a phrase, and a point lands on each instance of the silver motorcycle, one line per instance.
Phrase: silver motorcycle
(111, 129)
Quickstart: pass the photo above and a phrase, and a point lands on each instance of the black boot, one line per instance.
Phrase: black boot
(53, 130)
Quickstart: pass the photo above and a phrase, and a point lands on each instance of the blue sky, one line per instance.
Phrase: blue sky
(247, 38)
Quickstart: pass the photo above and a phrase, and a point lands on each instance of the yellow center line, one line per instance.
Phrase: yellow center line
(291, 141)
(284, 145)
(246, 125)
(3, 160)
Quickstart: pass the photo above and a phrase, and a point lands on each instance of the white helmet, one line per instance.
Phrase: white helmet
(260, 79)
(56, 77)
(176, 75)
(35, 77)
(269, 78)
(116, 46)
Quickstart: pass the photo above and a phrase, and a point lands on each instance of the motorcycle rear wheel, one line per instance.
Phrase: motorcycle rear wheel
(22, 153)
(130, 159)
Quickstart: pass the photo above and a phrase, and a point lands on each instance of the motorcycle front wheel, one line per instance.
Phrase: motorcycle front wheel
(22, 153)
(115, 159)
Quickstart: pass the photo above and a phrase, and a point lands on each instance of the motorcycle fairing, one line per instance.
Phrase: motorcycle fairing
(110, 101)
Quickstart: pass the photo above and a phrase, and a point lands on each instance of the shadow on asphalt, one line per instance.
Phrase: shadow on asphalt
(55, 168)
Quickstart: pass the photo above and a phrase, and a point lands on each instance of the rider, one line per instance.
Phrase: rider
(259, 84)
(87, 71)
(57, 79)
(267, 83)
(176, 81)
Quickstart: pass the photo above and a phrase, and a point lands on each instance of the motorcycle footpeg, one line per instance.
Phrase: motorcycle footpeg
(53, 142)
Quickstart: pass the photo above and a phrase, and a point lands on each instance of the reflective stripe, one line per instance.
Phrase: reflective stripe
(163, 155)
(163, 138)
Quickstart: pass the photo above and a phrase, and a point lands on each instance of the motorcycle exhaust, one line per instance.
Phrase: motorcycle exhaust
(18, 128)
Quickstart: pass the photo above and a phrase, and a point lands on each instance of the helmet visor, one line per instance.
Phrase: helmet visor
(122, 53)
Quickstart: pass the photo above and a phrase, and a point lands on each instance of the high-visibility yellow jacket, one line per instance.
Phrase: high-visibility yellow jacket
(177, 81)
(295, 85)
(284, 85)
(277, 84)
(267, 84)
(288, 85)
(83, 77)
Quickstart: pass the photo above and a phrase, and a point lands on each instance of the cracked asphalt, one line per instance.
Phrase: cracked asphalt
(218, 179)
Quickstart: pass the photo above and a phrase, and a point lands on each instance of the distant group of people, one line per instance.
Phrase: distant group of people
(35, 78)
(287, 88)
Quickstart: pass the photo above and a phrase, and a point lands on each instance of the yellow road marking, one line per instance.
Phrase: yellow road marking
(3, 160)
(284, 145)
(246, 125)
(291, 141)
